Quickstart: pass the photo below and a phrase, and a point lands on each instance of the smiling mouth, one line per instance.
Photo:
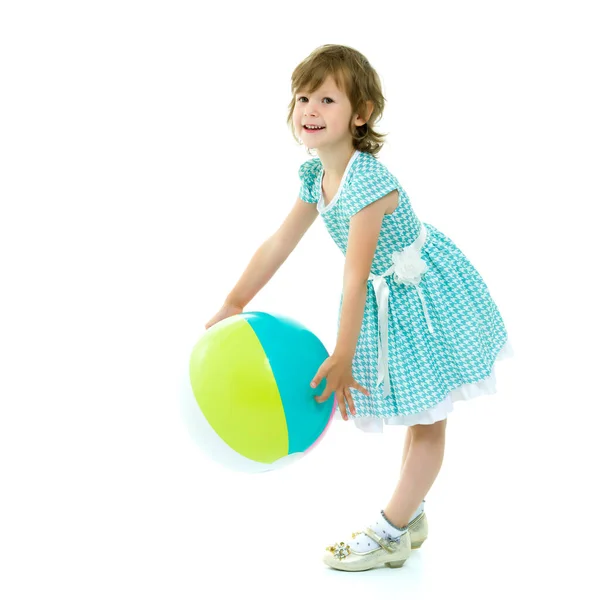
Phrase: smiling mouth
(312, 129)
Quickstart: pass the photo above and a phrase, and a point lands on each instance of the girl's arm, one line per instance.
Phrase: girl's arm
(365, 226)
(272, 253)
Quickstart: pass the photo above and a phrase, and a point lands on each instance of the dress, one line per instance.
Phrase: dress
(431, 332)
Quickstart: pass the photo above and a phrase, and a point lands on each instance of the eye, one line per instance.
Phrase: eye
(300, 98)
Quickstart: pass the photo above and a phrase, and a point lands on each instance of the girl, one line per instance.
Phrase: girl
(417, 329)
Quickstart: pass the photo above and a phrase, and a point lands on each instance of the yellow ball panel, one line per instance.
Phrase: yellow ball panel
(234, 386)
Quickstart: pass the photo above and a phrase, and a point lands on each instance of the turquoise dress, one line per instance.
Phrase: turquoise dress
(431, 332)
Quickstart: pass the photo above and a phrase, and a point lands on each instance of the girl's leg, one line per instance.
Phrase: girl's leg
(406, 447)
(420, 469)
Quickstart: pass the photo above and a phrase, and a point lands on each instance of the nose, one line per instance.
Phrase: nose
(309, 109)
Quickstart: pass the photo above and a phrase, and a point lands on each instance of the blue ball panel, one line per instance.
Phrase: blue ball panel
(295, 355)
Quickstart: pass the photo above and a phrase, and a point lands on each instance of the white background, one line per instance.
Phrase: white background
(144, 156)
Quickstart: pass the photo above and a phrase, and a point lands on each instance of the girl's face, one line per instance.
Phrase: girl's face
(329, 108)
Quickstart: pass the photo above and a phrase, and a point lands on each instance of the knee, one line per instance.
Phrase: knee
(435, 430)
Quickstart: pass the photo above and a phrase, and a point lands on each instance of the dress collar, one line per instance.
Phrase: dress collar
(321, 204)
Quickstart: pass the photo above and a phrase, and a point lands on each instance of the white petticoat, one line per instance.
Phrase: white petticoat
(439, 412)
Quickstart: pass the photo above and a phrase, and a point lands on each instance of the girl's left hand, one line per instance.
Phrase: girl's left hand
(338, 372)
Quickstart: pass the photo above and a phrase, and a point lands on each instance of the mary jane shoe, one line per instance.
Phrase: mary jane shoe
(392, 552)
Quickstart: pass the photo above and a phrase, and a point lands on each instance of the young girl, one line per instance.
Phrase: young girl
(417, 329)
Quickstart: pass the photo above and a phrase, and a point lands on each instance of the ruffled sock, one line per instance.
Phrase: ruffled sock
(383, 528)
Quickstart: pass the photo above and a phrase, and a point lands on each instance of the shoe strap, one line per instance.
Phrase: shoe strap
(377, 538)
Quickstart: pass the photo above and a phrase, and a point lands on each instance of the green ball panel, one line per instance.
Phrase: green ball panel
(234, 386)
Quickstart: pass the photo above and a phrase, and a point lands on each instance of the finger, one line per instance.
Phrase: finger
(317, 380)
(350, 401)
(325, 395)
(361, 389)
(342, 406)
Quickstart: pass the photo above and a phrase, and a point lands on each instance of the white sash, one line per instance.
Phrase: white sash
(407, 268)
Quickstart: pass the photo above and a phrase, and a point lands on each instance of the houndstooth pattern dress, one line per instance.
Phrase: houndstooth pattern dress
(425, 345)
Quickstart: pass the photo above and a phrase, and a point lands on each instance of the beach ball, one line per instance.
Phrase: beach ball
(246, 397)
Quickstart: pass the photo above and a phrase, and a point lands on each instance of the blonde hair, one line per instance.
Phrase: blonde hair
(355, 76)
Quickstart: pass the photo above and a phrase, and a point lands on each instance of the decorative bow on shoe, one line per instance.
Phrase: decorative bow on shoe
(340, 550)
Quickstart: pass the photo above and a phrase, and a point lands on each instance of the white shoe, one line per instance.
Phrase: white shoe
(391, 552)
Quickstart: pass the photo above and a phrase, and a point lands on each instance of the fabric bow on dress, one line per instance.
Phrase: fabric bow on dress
(408, 267)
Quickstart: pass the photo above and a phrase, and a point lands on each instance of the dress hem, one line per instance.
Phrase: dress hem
(439, 412)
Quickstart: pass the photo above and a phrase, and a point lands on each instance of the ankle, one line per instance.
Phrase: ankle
(394, 518)
(393, 523)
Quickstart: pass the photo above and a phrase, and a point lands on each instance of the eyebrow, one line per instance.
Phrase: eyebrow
(326, 92)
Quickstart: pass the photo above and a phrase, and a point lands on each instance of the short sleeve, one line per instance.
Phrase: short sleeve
(309, 172)
(367, 186)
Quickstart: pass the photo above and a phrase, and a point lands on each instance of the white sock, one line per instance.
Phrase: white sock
(383, 528)
(418, 511)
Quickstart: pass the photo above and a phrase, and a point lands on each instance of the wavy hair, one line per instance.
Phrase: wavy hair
(355, 76)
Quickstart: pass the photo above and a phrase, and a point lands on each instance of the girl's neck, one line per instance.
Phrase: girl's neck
(335, 162)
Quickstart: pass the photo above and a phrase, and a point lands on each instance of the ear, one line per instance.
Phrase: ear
(368, 112)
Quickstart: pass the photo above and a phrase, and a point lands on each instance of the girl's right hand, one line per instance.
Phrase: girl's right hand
(227, 310)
